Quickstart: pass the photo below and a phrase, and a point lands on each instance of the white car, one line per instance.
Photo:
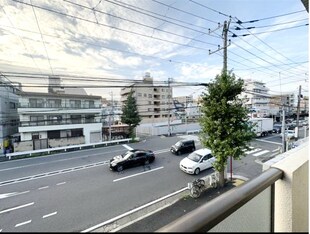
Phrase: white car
(289, 134)
(197, 161)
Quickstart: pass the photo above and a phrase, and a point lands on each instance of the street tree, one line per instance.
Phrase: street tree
(130, 114)
(224, 122)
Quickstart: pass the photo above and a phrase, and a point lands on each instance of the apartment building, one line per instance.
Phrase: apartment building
(257, 97)
(57, 119)
(8, 114)
(154, 102)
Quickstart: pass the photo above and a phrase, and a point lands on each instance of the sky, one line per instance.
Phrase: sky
(101, 45)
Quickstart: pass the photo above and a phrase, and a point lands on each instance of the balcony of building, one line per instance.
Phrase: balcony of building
(275, 201)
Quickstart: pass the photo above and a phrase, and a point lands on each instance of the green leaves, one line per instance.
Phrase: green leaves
(224, 120)
(130, 114)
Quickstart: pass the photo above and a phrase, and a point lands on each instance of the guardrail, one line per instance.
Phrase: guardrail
(65, 148)
(193, 131)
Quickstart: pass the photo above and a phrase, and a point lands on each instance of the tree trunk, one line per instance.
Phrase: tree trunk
(221, 179)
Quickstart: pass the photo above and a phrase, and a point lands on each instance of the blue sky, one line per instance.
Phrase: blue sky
(121, 40)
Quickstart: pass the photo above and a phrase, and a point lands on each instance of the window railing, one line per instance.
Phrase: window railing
(217, 210)
(50, 105)
(58, 122)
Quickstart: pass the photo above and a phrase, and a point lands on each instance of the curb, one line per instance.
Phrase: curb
(139, 213)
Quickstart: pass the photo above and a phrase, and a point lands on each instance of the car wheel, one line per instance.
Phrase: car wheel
(146, 162)
(119, 168)
(193, 149)
(197, 170)
(179, 152)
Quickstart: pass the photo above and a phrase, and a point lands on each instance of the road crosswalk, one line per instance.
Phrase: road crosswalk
(253, 151)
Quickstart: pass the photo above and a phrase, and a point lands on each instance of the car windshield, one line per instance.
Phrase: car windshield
(127, 154)
(194, 157)
(178, 144)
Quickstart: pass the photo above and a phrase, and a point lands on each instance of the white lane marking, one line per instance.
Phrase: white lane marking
(48, 215)
(52, 173)
(5, 195)
(61, 183)
(45, 187)
(60, 160)
(260, 153)
(277, 149)
(17, 207)
(127, 147)
(20, 224)
(132, 211)
(138, 174)
(252, 151)
(268, 142)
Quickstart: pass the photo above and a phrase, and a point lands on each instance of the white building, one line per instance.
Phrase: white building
(257, 97)
(8, 113)
(154, 102)
(58, 119)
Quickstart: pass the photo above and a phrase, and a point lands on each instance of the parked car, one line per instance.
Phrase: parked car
(277, 128)
(197, 161)
(131, 158)
(183, 146)
(290, 134)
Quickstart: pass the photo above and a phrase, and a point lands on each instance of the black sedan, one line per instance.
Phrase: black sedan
(131, 158)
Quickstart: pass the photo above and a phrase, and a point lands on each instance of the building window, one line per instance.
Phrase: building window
(36, 120)
(75, 119)
(54, 103)
(12, 105)
(139, 94)
(150, 95)
(144, 95)
(150, 103)
(35, 103)
(162, 96)
(75, 103)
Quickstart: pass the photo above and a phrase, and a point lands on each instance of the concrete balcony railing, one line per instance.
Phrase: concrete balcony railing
(275, 201)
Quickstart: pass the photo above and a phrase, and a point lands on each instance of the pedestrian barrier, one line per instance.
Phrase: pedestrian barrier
(65, 148)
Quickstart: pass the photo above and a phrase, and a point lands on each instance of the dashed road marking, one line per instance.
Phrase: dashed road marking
(17, 207)
(138, 174)
(45, 187)
(23, 223)
(127, 147)
(48, 215)
(61, 183)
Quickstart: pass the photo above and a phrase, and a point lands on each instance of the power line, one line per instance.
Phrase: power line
(276, 30)
(271, 17)
(42, 37)
(113, 27)
(141, 24)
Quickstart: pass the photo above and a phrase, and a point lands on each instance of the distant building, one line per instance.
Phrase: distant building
(257, 98)
(153, 101)
(57, 118)
(8, 114)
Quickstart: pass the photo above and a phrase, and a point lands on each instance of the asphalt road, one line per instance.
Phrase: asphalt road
(73, 191)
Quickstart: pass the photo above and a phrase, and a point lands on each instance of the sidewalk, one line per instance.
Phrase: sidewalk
(186, 204)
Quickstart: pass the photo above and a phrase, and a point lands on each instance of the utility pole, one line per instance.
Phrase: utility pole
(110, 117)
(169, 100)
(283, 130)
(298, 110)
(224, 36)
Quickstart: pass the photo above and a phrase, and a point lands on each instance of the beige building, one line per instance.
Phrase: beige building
(153, 102)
